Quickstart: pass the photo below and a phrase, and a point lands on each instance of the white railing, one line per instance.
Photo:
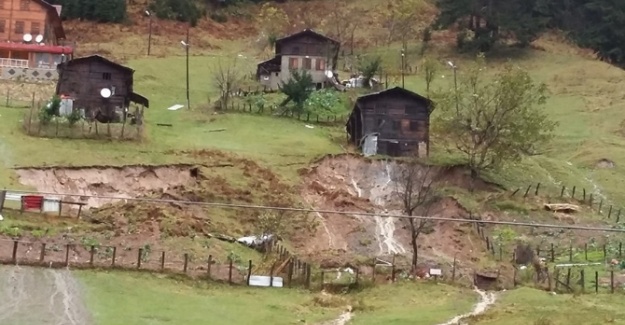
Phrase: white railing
(13, 63)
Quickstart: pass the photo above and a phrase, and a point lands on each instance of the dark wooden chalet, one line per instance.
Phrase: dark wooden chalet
(82, 80)
(305, 50)
(395, 122)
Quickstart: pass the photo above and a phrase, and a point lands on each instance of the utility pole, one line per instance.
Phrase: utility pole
(187, 50)
(455, 68)
(403, 55)
(149, 14)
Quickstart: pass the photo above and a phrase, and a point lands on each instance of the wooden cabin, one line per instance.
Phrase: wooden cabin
(33, 39)
(393, 122)
(82, 80)
(306, 50)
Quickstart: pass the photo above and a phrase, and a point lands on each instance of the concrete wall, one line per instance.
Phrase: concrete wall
(28, 74)
(318, 76)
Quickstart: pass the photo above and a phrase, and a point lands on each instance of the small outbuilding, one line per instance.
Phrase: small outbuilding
(393, 122)
(100, 87)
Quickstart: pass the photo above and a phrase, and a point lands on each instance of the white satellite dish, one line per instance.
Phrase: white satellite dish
(329, 74)
(27, 37)
(105, 92)
(39, 38)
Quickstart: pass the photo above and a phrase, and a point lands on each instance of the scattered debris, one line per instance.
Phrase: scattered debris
(562, 207)
(164, 124)
(175, 107)
(255, 241)
(224, 238)
(309, 126)
(266, 281)
(217, 130)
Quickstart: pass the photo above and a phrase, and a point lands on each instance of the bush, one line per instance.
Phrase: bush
(74, 117)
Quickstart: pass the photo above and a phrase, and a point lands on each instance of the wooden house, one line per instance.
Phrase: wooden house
(306, 50)
(393, 122)
(82, 80)
(33, 40)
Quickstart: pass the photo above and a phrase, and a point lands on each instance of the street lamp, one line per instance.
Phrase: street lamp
(454, 67)
(403, 56)
(149, 15)
(186, 45)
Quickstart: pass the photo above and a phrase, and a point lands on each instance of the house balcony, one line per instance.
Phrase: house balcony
(32, 62)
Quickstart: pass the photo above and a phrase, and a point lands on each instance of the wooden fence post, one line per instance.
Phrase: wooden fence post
(605, 251)
(562, 192)
(308, 270)
(230, 270)
(596, 281)
(114, 256)
(162, 261)
(529, 187)
(620, 249)
(453, 267)
(537, 187)
(553, 254)
(571, 253)
(586, 251)
(139, 257)
(323, 278)
(611, 281)
(290, 274)
(91, 253)
(271, 274)
(610, 212)
(582, 280)
(186, 262)
(249, 273)
(583, 195)
(42, 255)
(393, 270)
(14, 255)
(573, 193)
(67, 255)
(373, 273)
(208, 267)
(600, 205)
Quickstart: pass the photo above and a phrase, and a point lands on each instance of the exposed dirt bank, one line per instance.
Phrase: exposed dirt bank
(351, 183)
(123, 181)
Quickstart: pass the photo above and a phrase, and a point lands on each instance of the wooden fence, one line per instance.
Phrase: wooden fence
(239, 107)
(579, 194)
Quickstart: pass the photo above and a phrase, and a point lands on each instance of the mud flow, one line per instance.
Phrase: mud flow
(125, 181)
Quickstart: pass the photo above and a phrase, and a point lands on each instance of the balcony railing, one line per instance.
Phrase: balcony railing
(13, 63)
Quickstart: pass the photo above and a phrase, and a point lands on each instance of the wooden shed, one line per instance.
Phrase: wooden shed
(83, 79)
(397, 119)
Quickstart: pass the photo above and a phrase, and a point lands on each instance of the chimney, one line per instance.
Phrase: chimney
(58, 9)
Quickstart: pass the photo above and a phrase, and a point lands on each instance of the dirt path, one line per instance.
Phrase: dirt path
(36, 296)
(343, 319)
(487, 299)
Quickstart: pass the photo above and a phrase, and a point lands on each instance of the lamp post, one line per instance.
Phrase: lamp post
(186, 45)
(403, 56)
(149, 15)
(454, 67)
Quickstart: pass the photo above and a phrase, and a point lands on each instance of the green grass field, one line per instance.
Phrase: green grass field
(532, 307)
(412, 303)
(138, 299)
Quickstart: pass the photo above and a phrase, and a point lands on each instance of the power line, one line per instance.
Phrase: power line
(351, 213)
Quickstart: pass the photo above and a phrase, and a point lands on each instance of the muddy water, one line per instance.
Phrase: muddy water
(35, 296)
(487, 299)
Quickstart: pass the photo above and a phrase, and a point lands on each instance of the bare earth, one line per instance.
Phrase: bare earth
(34, 296)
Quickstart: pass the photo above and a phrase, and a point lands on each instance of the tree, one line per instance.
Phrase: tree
(272, 22)
(226, 79)
(369, 67)
(496, 119)
(400, 19)
(430, 67)
(414, 189)
(297, 89)
(341, 25)
(488, 21)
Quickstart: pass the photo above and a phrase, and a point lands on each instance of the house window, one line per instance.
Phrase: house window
(321, 64)
(24, 5)
(106, 76)
(396, 125)
(307, 63)
(19, 27)
(293, 63)
(3, 23)
(35, 28)
(414, 125)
